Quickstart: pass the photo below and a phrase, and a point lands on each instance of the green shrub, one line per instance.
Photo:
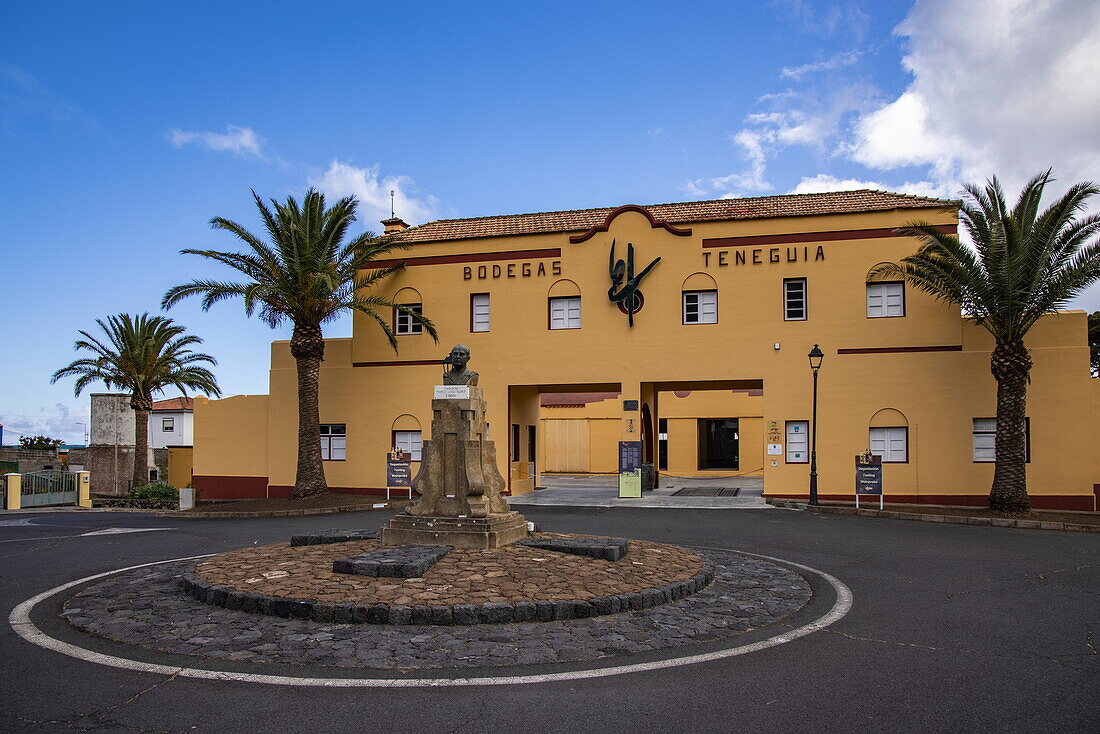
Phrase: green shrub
(155, 491)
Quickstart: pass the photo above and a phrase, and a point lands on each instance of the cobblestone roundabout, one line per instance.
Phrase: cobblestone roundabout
(147, 607)
(515, 583)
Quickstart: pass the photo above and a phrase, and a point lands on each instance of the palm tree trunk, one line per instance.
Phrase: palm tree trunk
(1010, 364)
(141, 405)
(307, 345)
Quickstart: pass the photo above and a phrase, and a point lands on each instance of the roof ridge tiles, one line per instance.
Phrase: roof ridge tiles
(566, 220)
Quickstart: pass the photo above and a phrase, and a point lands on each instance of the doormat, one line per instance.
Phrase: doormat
(707, 492)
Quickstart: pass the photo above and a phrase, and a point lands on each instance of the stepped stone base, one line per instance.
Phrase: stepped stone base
(494, 531)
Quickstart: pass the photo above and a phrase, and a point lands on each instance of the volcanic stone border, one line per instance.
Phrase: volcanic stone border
(609, 549)
(333, 535)
(403, 562)
(457, 614)
(143, 608)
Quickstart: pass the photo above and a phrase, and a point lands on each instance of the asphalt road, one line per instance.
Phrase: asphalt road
(953, 628)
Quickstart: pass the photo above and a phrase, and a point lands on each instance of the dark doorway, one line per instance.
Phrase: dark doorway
(531, 449)
(718, 443)
(647, 434)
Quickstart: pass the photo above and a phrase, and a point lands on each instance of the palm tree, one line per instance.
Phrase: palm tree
(143, 355)
(1024, 263)
(304, 275)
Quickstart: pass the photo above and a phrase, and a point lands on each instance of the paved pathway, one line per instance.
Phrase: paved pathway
(564, 490)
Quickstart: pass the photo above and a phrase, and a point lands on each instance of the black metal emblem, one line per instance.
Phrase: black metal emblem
(626, 293)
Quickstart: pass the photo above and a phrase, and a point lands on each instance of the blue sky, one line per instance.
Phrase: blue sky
(124, 127)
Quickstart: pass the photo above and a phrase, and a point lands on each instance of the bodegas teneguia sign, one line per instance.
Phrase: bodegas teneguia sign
(624, 282)
(762, 256)
(525, 269)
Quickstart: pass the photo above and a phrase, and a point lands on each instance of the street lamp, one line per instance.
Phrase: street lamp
(816, 356)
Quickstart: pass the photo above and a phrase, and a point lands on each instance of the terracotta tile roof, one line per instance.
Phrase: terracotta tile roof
(174, 404)
(760, 207)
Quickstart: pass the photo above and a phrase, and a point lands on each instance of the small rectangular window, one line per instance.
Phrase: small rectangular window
(798, 442)
(408, 442)
(892, 444)
(168, 425)
(334, 441)
(404, 323)
(885, 300)
(565, 313)
(985, 440)
(479, 312)
(700, 307)
(794, 299)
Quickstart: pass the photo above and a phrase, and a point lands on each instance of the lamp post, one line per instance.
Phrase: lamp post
(816, 356)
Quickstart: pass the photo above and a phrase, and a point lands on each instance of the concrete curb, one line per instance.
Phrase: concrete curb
(187, 515)
(997, 522)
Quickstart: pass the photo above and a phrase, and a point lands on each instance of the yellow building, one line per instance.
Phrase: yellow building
(732, 294)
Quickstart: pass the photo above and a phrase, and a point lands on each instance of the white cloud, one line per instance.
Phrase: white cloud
(838, 61)
(240, 141)
(373, 193)
(799, 119)
(1006, 87)
(825, 182)
(60, 423)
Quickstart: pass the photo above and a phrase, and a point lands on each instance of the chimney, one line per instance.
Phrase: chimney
(394, 224)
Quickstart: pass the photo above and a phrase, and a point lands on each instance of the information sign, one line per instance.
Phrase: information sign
(775, 449)
(868, 476)
(630, 468)
(398, 471)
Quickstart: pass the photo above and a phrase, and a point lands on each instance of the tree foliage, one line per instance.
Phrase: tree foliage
(306, 273)
(142, 355)
(40, 443)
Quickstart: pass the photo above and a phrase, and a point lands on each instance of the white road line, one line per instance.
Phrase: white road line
(105, 531)
(20, 621)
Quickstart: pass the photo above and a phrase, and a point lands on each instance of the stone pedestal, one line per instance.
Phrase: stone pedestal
(461, 490)
(460, 532)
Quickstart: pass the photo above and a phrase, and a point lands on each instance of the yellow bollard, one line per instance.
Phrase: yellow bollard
(15, 489)
(84, 487)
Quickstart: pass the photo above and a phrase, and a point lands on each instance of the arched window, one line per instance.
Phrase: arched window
(699, 300)
(564, 305)
(403, 322)
(405, 436)
(888, 436)
(885, 298)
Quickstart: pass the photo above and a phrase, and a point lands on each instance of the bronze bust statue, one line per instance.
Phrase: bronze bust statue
(458, 374)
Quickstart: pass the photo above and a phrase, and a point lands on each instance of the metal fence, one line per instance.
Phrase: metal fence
(49, 487)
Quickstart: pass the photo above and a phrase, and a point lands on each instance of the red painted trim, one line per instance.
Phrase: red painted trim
(400, 363)
(230, 488)
(370, 491)
(793, 237)
(476, 257)
(576, 239)
(1096, 498)
(1076, 502)
(900, 350)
